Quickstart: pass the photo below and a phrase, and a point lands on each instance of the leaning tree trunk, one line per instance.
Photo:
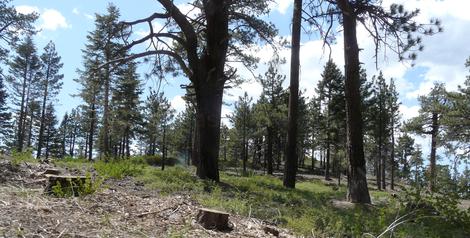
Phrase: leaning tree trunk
(290, 168)
(357, 182)
(432, 164)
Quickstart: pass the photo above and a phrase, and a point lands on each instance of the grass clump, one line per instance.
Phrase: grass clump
(118, 168)
(23, 156)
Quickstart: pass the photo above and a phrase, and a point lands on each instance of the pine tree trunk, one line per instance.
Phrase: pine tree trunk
(327, 162)
(392, 159)
(378, 161)
(164, 147)
(20, 132)
(30, 129)
(290, 168)
(208, 122)
(91, 131)
(432, 164)
(269, 151)
(43, 117)
(357, 182)
(105, 134)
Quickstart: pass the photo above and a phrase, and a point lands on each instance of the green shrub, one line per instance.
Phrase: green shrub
(118, 168)
(156, 160)
(24, 156)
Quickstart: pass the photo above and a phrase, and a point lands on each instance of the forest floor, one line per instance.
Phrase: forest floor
(135, 199)
(123, 208)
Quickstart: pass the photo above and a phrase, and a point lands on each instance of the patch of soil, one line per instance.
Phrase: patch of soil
(123, 208)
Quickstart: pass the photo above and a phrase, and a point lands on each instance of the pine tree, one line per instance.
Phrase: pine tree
(331, 94)
(125, 109)
(271, 113)
(241, 119)
(393, 106)
(290, 167)
(13, 25)
(24, 75)
(405, 149)
(383, 25)
(428, 122)
(381, 131)
(52, 137)
(103, 43)
(50, 84)
(5, 115)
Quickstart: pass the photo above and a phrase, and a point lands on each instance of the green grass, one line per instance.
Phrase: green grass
(307, 210)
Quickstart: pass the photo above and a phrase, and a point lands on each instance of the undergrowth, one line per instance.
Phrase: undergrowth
(307, 210)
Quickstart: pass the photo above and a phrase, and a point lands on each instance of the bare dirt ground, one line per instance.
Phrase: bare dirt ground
(123, 209)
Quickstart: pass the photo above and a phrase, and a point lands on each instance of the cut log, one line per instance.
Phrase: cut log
(51, 171)
(212, 219)
(67, 183)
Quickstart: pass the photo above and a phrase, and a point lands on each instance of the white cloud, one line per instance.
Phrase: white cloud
(178, 103)
(50, 19)
(408, 112)
(281, 5)
(25, 9)
(75, 11)
(89, 16)
(53, 20)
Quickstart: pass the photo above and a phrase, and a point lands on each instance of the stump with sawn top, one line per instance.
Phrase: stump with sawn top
(212, 219)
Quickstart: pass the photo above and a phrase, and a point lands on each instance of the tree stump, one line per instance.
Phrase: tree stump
(212, 219)
(67, 183)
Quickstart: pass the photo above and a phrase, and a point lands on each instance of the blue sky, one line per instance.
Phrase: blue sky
(67, 22)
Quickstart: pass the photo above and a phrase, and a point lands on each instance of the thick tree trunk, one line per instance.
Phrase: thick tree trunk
(195, 145)
(290, 168)
(209, 86)
(208, 121)
(432, 164)
(357, 182)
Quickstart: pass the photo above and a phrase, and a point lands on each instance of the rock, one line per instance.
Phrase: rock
(271, 230)
(212, 219)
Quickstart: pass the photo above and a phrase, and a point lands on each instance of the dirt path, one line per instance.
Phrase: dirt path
(123, 209)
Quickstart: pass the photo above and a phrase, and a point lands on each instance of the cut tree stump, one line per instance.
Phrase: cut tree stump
(212, 219)
(67, 183)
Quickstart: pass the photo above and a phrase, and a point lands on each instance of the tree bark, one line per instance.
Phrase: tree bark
(432, 164)
(208, 121)
(269, 151)
(392, 158)
(357, 182)
(290, 168)
(92, 130)
(43, 116)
